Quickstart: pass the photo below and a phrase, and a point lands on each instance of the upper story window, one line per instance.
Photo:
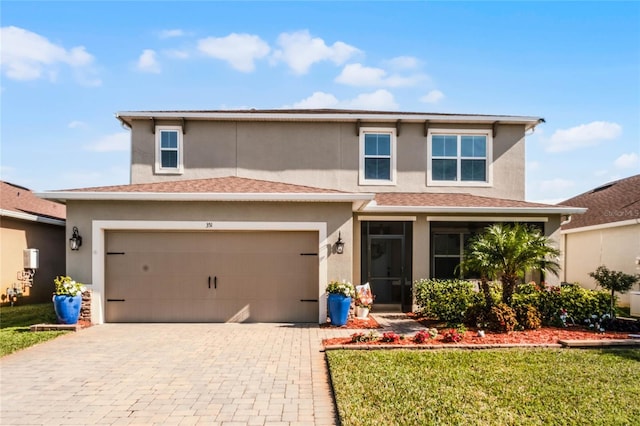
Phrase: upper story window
(169, 149)
(377, 156)
(459, 157)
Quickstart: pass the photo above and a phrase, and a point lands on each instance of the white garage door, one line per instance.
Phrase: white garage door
(211, 276)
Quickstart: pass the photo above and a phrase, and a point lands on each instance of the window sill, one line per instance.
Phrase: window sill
(455, 183)
(376, 183)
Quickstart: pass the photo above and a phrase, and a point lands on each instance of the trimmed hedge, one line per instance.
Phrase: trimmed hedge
(455, 301)
(580, 303)
(446, 300)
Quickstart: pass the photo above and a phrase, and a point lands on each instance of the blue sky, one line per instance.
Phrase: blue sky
(67, 67)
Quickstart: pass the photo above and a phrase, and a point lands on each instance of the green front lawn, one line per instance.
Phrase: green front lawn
(15, 322)
(497, 387)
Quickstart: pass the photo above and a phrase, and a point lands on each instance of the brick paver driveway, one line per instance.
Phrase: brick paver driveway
(167, 374)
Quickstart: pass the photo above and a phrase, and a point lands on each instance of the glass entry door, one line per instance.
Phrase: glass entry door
(386, 269)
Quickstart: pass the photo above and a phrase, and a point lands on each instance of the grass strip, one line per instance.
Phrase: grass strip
(15, 322)
(498, 387)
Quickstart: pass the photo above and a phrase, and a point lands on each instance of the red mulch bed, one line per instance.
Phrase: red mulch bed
(356, 324)
(545, 335)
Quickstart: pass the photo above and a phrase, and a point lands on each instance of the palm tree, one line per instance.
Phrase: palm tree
(506, 252)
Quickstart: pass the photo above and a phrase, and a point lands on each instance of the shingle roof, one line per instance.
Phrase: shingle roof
(222, 185)
(613, 202)
(18, 199)
(449, 200)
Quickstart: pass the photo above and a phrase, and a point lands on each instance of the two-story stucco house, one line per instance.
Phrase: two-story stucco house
(246, 215)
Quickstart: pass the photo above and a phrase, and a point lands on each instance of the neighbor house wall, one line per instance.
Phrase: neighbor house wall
(17, 235)
(318, 154)
(614, 247)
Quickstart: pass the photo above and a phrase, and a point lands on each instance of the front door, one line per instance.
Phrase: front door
(387, 263)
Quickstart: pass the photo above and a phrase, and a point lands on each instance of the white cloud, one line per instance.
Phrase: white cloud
(433, 97)
(300, 51)
(76, 124)
(239, 50)
(378, 100)
(359, 75)
(171, 33)
(582, 136)
(148, 62)
(318, 100)
(555, 186)
(403, 62)
(25, 55)
(627, 161)
(114, 142)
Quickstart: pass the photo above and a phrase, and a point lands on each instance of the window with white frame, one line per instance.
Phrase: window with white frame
(459, 157)
(377, 156)
(169, 149)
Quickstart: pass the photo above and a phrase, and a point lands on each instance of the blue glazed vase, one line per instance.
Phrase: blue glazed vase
(338, 309)
(67, 308)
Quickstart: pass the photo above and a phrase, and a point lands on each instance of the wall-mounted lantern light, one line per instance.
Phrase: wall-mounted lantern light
(76, 240)
(339, 244)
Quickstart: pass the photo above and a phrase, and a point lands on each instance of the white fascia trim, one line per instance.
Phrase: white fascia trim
(602, 226)
(31, 217)
(387, 218)
(338, 116)
(487, 218)
(208, 196)
(99, 227)
(473, 210)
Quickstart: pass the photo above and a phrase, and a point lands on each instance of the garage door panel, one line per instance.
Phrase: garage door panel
(164, 276)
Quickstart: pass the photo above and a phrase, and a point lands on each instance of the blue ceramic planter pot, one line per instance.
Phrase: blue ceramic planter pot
(67, 308)
(338, 309)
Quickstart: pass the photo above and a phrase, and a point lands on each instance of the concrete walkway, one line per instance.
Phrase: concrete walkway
(170, 374)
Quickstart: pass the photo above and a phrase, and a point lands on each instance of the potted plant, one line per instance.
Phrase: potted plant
(67, 299)
(339, 301)
(364, 300)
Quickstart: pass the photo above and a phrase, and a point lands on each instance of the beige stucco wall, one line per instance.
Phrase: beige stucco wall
(616, 248)
(317, 154)
(17, 235)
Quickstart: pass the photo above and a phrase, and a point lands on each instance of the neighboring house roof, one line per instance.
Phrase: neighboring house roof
(20, 203)
(328, 115)
(242, 189)
(617, 201)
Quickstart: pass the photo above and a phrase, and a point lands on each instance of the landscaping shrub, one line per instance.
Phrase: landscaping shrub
(446, 300)
(452, 335)
(390, 337)
(528, 316)
(501, 318)
(476, 315)
(580, 303)
(424, 335)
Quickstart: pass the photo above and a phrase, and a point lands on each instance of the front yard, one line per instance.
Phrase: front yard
(15, 322)
(515, 386)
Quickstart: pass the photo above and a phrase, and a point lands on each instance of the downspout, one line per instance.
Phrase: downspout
(564, 248)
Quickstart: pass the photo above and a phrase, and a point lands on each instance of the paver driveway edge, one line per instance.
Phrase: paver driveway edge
(255, 374)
